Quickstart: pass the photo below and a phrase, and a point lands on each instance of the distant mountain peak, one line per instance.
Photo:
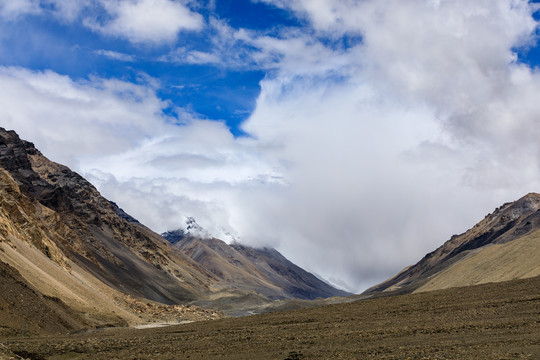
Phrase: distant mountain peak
(264, 270)
(190, 228)
(193, 227)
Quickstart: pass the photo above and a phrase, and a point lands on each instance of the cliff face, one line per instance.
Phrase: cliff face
(24, 219)
(510, 227)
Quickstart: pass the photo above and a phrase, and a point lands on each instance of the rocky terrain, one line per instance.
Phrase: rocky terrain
(490, 321)
(79, 255)
(503, 246)
(26, 311)
(63, 241)
(74, 222)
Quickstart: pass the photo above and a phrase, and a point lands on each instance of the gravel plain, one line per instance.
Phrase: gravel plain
(491, 321)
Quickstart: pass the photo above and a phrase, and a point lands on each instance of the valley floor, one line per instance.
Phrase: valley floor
(491, 321)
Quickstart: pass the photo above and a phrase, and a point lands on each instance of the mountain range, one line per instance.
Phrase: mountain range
(262, 270)
(88, 261)
(71, 260)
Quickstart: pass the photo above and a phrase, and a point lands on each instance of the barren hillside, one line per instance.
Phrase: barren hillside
(503, 246)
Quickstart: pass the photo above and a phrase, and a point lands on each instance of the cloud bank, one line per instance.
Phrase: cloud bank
(361, 157)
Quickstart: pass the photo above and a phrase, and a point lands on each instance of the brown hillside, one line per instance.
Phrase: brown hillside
(264, 271)
(25, 311)
(85, 228)
(482, 244)
(517, 259)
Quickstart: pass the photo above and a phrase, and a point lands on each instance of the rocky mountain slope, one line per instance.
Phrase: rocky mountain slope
(66, 242)
(505, 245)
(72, 221)
(30, 311)
(81, 256)
(264, 271)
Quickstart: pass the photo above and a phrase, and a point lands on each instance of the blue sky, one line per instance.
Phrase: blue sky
(44, 39)
(223, 92)
(352, 135)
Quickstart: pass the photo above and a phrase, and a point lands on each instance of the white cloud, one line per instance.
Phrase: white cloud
(292, 52)
(428, 131)
(11, 9)
(65, 10)
(227, 49)
(115, 55)
(147, 21)
(68, 10)
(183, 56)
(138, 21)
(80, 119)
(115, 133)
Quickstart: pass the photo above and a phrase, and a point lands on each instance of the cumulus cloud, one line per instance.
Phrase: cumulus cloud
(84, 118)
(160, 168)
(431, 118)
(138, 21)
(147, 21)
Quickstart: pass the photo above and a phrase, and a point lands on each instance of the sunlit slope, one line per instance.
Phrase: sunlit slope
(502, 246)
(518, 259)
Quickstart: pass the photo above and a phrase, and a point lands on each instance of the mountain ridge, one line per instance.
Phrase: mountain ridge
(263, 269)
(508, 223)
(99, 240)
